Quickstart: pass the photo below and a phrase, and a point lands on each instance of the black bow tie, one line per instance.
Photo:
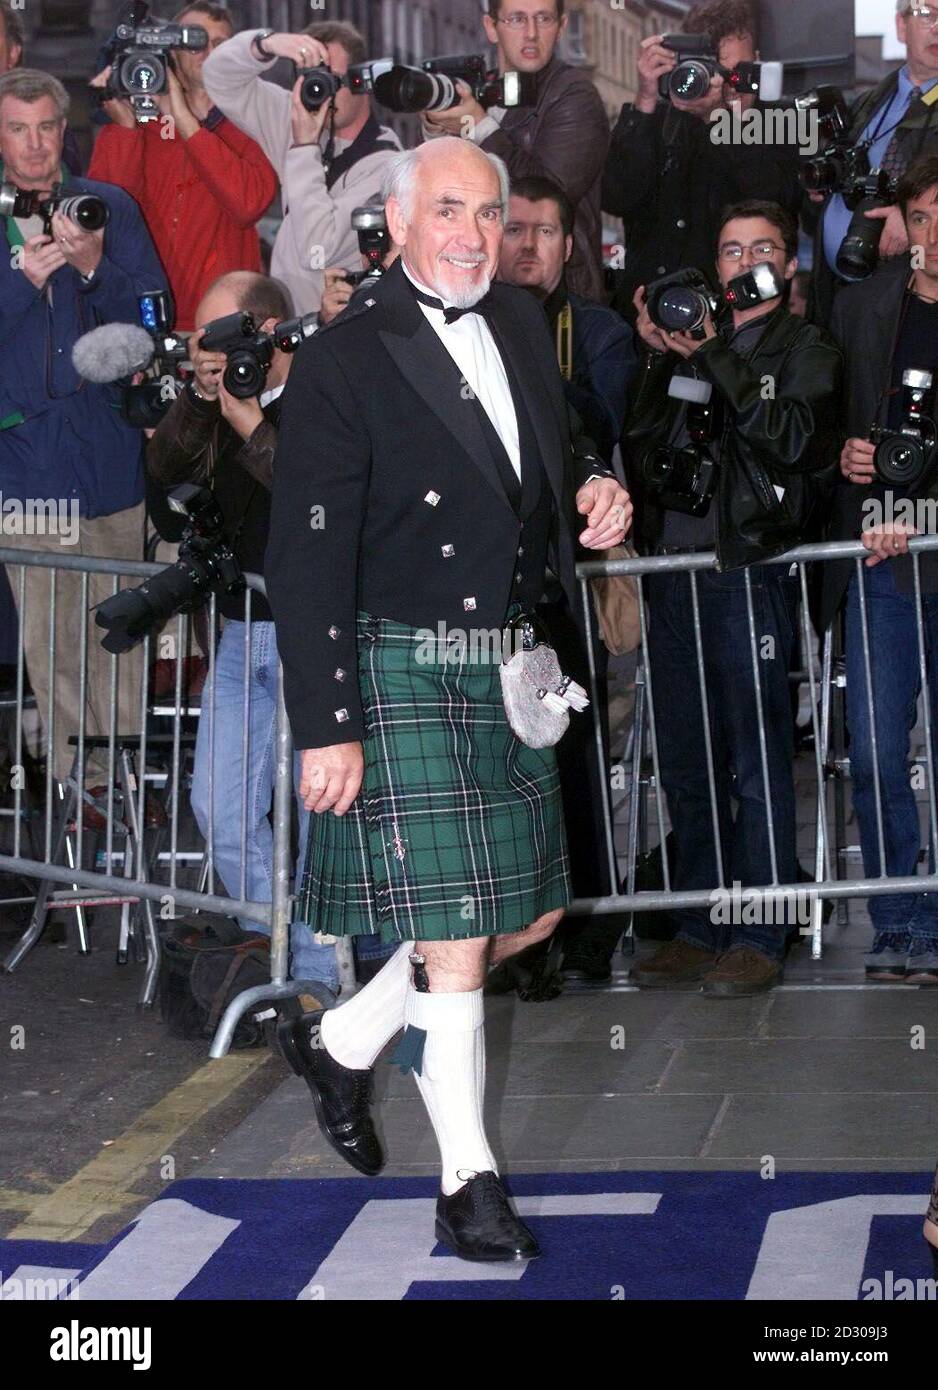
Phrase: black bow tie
(452, 314)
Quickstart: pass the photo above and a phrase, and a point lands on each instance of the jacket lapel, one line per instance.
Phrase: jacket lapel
(424, 362)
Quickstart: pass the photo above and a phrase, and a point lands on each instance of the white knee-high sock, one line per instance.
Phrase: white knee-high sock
(452, 1080)
(356, 1031)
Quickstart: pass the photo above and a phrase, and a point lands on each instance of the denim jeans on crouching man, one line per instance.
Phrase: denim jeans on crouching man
(308, 959)
(738, 773)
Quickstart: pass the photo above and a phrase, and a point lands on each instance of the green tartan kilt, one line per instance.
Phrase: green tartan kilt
(458, 829)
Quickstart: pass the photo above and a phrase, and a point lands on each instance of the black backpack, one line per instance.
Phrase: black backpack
(206, 961)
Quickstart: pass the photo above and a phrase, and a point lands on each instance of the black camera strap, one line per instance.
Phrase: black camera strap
(369, 140)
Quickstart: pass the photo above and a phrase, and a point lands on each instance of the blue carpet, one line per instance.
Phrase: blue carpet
(605, 1236)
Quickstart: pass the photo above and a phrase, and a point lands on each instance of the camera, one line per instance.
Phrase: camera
(145, 404)
(374, 242)
(249, 351)
(321, 84)
(206, 565)
(86, 210)
(841, 162)
(138, 55)
(681, 301)
(432, 86)
(859, 250)
(685, 479)
(903, 457)
(697, 65)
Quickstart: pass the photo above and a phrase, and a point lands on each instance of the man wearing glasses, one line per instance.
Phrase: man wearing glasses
(775, 380)
(563, 137)
(898, 120)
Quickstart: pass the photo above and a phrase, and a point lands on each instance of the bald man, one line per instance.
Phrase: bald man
(429, 423)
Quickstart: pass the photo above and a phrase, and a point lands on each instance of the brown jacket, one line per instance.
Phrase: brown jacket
(564, 137)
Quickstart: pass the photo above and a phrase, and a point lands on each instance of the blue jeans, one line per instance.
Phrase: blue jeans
(309, 959)
(899, 920)
(737, 760)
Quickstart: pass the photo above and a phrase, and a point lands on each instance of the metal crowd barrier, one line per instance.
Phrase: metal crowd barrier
(50, 832)
(824, 676)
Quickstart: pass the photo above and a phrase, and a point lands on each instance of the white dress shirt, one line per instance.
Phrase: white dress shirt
(469, 342)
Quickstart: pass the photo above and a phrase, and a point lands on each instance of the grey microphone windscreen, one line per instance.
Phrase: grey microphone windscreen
(112, 351)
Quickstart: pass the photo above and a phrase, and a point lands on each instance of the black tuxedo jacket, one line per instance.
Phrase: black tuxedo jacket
(387, 498)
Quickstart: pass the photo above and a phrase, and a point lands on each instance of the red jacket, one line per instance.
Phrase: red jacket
(200, 197)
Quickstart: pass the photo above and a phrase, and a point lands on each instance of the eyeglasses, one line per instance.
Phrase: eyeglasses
(926, 15)
(517, 20)
(761, 250)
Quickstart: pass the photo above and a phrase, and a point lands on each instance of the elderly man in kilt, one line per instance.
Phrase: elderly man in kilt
(426, 490)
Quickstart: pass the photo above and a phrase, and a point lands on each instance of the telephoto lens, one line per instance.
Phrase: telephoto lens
(410, 90)
(86, 210)
(859, 250)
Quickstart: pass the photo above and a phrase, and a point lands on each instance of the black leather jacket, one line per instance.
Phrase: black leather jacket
(780, 430)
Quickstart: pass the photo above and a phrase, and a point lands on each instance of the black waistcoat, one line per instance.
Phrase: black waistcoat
(532, 499)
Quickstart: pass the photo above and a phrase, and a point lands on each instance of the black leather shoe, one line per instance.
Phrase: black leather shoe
(341, 1095)
(478, 1223)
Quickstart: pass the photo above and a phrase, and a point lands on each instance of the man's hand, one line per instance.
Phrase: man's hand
(81, 249)
(653, 62)
(608, 510)
(685, 344)
(242, 416)
(185, 121)
(885, 542)
(306, 126)
(856, 461)
(336, 293)
(208, 366)
(118, 109)
(331, 778)
(649, 332)
(894, 240)
(458, 120)
(306, 52)
(42, 257)
(704, 106)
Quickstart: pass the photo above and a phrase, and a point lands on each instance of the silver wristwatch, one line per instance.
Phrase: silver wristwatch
(257, 43)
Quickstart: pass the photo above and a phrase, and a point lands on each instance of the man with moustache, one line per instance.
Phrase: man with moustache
(429, 421)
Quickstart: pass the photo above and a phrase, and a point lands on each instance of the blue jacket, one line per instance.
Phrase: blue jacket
(72, 441)
(604, 366)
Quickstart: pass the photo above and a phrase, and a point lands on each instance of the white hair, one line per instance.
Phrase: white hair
(401, 176)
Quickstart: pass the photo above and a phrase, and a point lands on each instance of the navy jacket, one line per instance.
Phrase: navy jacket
(605, 364)
(59, 436)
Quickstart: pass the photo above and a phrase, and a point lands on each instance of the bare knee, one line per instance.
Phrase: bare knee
(541, 930)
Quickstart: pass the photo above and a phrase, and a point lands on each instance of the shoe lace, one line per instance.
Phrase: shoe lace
(491, 1198)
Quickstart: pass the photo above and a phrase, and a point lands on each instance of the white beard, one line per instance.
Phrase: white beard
(465, 296)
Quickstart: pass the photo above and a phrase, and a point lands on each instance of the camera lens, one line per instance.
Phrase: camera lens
(859, 250)
(85, 209)
(319, 86)
(900, 460)
(658, 466)
(819, 175)
(244, 375)
(690, 81)
(411, 90)
(680, 310)
(143, 76)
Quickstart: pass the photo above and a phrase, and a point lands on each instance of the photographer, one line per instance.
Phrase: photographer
(563, 137)
(666, 178)
(201, 191)
(887, 326)
(210, 436)
(11, 37)
(329, 161)
(899, 124)
(61, 438)
(774, 379)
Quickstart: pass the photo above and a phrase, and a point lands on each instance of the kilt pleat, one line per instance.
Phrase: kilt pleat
(458, 829)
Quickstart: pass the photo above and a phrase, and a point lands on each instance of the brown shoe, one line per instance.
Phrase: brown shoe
(676, 964)
(740, 971)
